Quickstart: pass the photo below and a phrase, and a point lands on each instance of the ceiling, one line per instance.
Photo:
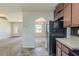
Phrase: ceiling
(27, 6)
(5, 8)
(39, 7)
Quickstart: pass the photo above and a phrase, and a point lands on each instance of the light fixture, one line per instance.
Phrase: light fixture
(2, 17)
(41, 20)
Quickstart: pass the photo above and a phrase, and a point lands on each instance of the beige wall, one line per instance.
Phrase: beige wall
(5, 26)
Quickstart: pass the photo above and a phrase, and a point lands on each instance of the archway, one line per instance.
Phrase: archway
(40, 31)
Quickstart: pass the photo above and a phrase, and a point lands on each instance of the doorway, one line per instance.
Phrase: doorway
(40, 32)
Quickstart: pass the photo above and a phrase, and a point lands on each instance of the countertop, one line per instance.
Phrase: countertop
(72, 42)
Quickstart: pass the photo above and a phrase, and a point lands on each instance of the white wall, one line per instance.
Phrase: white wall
(16, 28)
(5, 29)
(16, 16)
(12, 16)
(29, 28)
(5, 25)
(16, 19)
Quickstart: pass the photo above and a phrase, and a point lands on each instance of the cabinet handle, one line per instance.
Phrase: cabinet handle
(75, 24)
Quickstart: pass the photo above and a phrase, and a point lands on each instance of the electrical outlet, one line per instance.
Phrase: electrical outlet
(77, 31)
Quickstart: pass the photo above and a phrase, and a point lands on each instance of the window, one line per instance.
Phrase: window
(38, 28)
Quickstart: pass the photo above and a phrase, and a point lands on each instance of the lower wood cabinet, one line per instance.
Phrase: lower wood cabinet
(58, 48)
(58, 51)
(65, 49)
(64, 54)
(61, 50)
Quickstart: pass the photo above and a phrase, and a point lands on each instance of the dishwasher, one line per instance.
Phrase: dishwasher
(74, 53)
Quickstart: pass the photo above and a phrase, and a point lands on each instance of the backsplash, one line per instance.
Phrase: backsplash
(75, 31)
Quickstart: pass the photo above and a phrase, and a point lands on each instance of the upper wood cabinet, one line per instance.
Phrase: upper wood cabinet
(67, 16)
(69, 12)
(75, 14)
(59, 11)
(58, 8)
(59, 15)
(66, 4)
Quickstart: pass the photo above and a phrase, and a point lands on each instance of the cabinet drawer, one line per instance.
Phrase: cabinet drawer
(58, 44)
(65, 49)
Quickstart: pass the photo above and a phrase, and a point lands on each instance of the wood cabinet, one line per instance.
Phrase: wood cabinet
(75, 14)
(58, 51)
(65, 49)
(64, 54)
(67, 16)
(58, 13)
(69, 12)
(65, 4)
(59, 7)
(61, 50)
(58, 48)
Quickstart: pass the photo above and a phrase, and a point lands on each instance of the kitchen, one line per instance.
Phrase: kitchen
(66, 25)
(61, 27)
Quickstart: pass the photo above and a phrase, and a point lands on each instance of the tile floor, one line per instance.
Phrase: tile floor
(12, 47)
(40, 49)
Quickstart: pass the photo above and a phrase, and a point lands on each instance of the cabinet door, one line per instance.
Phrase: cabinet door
(67, 16)
(58, 51)
(59, 7)
(65, 4)
(64, 54)
(75, 14)
(59, 15)
(65, 49)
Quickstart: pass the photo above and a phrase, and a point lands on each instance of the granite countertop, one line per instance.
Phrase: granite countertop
(72, 42)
